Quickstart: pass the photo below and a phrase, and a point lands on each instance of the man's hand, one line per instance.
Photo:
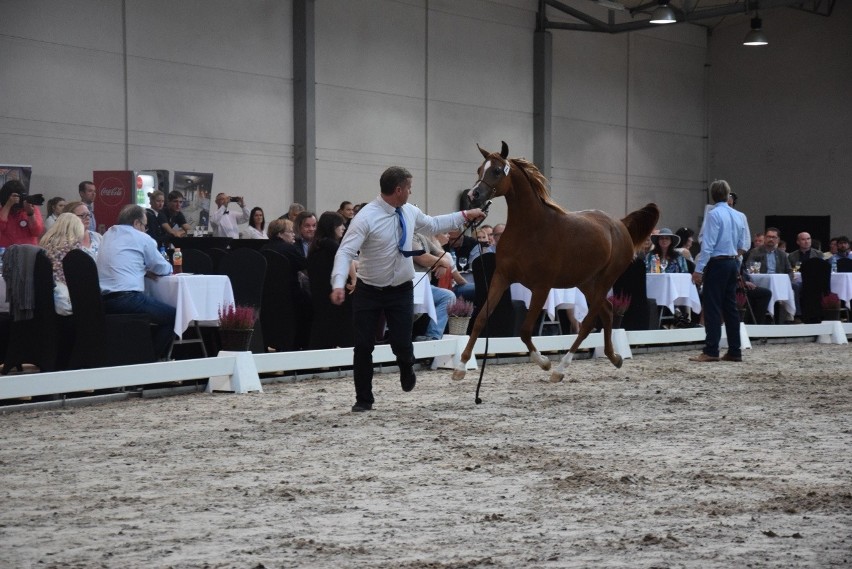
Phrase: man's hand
(242, 202)
(749, 285)
(337, 296)
(30, 210)
(475, 215)
(697, 278)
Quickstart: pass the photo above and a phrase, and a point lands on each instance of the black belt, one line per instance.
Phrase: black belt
(403, 286)
(723, 257)
(116, 294)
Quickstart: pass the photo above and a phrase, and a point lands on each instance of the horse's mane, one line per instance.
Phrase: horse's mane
(537, 181)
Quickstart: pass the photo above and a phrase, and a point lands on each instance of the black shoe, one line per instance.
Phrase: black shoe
(407, 379)
(361, 407)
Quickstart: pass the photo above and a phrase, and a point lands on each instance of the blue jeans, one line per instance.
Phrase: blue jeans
(720, 298)
(442, 298)
(162, 315)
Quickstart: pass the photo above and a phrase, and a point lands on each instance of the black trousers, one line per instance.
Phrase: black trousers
(368, 305)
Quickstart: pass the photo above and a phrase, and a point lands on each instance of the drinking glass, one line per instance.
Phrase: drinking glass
(663, 264)
(463, 263)
(755, 267)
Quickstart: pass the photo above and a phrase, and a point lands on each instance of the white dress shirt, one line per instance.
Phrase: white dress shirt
(375, 232)
(224, 221)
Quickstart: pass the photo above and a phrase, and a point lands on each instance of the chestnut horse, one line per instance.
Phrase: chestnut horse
(544, 247)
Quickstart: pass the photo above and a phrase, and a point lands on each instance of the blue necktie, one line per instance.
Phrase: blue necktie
(401, 243)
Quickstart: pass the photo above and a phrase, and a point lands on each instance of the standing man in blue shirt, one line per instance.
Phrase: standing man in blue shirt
(383, 232)
(716, 269)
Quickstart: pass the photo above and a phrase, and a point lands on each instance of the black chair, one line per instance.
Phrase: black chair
(816, 282)
(197, 261)
(34, 340)
(503, 321)
(278, 313)
(247, 270)
(216, 255)
(844, 265)
(331, 325)
(642, 313)
(100, 339)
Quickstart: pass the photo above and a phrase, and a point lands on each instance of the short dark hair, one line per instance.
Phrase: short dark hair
(775, 229)
(300, 219)
(843, 239)
(392, 178)
(175, 195)
(82, 186)
(344, 204)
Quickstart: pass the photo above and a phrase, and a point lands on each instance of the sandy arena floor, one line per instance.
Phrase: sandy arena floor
(662, 463)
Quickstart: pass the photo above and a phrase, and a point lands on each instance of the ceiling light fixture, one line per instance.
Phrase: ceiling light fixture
(663, 14)
(756, 36)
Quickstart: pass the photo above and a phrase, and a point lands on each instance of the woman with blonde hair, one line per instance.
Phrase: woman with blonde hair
(66, 234)
(91, 241)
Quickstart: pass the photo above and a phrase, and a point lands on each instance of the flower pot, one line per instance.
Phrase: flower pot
(458, 325)
(830, 314)
(236, 340)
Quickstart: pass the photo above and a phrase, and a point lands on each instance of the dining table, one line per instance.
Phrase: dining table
(781, 287)
(423, 301)
(196, 298)
(673, 289)
(557, 298)
(841, 285)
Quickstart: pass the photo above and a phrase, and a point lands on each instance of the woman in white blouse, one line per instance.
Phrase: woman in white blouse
(256, 223)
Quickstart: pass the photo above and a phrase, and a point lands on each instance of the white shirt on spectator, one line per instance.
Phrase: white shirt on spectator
(224, 221)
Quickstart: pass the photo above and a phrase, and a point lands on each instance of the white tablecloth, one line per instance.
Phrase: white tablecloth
(557, 298)
(673, 289)
(423, 301)
(196, 297)
(841, 284)
(781, 288)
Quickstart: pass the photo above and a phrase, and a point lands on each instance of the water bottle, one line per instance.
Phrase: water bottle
(177, 261)
(164, 253)
(453, 257)
(834, 265)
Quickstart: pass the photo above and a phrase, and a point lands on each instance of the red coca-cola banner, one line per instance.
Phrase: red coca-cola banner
(115, 189)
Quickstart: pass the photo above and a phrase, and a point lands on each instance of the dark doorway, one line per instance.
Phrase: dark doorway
(819, 226)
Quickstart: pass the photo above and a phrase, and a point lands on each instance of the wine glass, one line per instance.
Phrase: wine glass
(463, 263)
(663, 264)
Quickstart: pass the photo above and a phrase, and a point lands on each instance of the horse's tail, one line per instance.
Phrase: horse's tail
(641, 223)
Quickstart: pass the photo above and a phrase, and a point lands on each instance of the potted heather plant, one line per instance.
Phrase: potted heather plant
(236, 326)
(459, 312)
(830, 306)
(620, 304)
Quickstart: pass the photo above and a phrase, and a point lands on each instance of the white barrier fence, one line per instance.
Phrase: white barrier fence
(239, 371)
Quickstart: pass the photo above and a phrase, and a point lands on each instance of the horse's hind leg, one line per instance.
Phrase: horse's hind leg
(536, 304)
(598, 306)
(606, 317)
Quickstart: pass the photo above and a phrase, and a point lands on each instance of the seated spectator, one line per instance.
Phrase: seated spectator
(128, 255)
(282, 240)
(782, 246)
(758, 297)
(55, 206)
(456, 282)
(157, 200)
(757, 241)
(843, 251)
(347, 210)
(91, 242)
(256, 225)
(459, 245)
(665, 246)
(63, 236)
(225, 221)
(774, 261)
(483, 245)
(832, 248)
(686, 236)
(435, 261)
(293, 212)
(306, 227)
(804, 251)
(331, 324)
(171, 218)
(20, 221)
(497, 233)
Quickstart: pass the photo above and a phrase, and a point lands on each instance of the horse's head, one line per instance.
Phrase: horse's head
(492, 173)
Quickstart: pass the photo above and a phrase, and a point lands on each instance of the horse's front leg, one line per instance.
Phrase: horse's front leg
(539, 296)
(496, 288)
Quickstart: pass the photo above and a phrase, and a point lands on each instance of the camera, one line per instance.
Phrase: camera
(33, 199)
(235, 199)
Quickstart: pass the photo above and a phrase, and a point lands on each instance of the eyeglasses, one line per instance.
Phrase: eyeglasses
(86, 215)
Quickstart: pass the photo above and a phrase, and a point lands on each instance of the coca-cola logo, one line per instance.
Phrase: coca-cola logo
(112, 192)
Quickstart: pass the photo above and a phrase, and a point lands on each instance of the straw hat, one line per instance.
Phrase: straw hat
(666, 232)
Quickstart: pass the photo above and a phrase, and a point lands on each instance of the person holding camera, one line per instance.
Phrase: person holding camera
(20, 221)
(223, 221)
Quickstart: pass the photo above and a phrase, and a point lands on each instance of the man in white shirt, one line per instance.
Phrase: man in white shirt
(223, 221)
(383, 232)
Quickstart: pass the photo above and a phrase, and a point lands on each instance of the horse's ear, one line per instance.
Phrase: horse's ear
(483, 152)
(504, 151)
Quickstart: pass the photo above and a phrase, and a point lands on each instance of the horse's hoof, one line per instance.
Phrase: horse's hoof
(545, 365)
(556, 377)
(617, 361)
(458, 374)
